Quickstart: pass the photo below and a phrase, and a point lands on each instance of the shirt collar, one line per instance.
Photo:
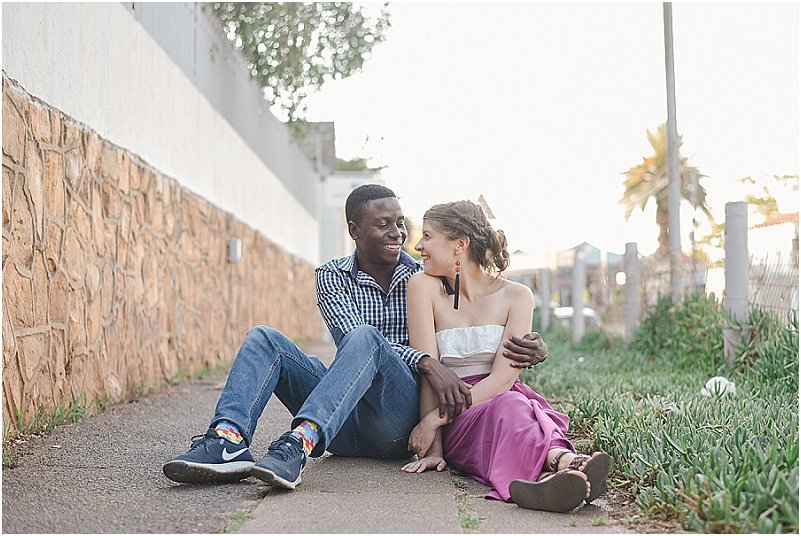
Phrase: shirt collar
(350, 263)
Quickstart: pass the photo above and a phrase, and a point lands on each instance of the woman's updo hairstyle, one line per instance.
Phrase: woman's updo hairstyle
(465, 218)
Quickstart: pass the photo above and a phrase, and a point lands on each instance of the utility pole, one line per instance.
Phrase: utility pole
(694, 194)
(674, 230)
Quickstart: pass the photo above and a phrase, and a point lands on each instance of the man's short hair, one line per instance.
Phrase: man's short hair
(362, 195)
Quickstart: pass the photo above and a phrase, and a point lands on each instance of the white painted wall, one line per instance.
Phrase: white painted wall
(335, 240)
(95, 63)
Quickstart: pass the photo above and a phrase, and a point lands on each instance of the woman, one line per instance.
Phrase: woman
(460, 311)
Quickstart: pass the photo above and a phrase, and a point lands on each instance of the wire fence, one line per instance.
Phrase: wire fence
(655, 274)
(773, 284)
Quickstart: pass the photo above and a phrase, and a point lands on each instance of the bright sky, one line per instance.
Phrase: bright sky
(541, 107)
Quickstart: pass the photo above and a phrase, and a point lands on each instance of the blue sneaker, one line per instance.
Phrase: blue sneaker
(211, 460)
(283, 463)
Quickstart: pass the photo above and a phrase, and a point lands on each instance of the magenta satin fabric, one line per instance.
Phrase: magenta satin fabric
(505, 438)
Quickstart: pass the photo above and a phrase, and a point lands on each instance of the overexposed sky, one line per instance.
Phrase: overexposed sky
(541, 107)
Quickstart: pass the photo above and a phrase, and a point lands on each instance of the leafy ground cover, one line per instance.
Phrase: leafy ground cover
(716, 464)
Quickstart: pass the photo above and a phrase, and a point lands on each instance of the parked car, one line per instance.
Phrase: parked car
(564, 317)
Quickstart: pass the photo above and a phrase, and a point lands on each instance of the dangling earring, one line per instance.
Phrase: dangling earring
(456, 286)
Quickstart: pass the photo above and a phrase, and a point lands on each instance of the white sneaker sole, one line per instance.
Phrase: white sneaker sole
(200, 473)
(268, 476)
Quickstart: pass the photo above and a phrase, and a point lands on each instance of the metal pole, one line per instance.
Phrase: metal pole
(631, 264)
(735, 295)
(694, 193)
(674, 230)
(578, 294)
(545, 296)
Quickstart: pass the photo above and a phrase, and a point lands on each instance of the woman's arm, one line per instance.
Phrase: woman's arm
(422, 336)
(432, 457)
(452, 394)
(502, 376)
(420, 311)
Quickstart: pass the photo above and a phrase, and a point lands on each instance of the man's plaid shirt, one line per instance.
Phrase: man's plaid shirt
(348, 298)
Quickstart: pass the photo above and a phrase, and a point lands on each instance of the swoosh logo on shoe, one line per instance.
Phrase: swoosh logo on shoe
(228, 456)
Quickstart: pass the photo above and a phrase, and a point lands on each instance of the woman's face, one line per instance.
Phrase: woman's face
(437, 251)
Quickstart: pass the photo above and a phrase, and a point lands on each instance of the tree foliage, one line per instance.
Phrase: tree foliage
(294, 48)
(764, 204)
(356, 164)
(649, 180)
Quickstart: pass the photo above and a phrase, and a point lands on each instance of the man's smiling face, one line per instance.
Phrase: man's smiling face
(379, 234)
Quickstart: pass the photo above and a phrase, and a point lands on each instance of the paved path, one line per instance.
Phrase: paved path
(104, 475)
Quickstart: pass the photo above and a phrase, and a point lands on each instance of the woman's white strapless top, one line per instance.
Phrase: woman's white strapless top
(469, 350)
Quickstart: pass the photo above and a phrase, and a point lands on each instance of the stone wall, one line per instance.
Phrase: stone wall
(114, 276)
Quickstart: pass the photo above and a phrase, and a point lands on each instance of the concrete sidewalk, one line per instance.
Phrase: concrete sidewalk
(104, 475)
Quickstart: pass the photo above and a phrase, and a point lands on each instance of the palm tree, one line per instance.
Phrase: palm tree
(649, 180)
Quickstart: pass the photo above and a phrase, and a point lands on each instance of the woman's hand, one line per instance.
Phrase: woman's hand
(422, 437)
(424, 434)
(423, 464)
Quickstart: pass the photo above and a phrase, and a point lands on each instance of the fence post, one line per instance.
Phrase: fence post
(545, 295)
(631, 264)
(579, 279)
(735, 295)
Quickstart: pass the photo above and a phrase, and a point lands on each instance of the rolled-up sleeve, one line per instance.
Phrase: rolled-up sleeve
(409, 355)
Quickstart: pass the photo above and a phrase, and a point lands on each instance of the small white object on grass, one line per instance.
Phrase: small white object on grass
(718, 386)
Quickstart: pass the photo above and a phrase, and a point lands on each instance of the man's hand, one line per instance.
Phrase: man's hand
(453, 394)
(527, 352)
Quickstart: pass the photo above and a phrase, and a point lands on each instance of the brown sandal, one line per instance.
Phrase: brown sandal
(558, 492)
(597, 470)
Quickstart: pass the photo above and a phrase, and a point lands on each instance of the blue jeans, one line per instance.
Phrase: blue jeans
(366, 403)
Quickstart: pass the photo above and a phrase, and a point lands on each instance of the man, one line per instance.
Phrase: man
(366, 403)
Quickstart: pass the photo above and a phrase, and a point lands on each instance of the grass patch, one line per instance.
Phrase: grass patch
(43, 422)
(263, 489)
(598, 522)
(10, 454)
(716, 464)
(468, 519)
(183, 374)
(235, 521)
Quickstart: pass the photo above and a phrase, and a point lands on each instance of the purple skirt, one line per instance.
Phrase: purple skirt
(505, 438)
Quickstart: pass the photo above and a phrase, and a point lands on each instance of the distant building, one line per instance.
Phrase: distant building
(773, 274)
(601, 268)
(777, 234)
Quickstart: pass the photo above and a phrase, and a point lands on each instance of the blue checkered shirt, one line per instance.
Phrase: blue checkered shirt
(348, 297)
